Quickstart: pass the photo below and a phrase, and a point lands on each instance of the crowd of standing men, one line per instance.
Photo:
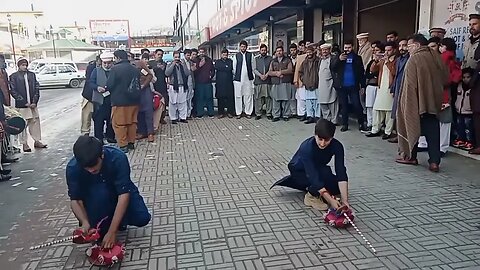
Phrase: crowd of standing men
(411, 91)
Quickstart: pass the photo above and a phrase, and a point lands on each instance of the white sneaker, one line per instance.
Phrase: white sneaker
(314, 202)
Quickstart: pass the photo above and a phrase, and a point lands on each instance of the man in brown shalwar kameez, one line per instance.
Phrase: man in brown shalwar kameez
(420, 103)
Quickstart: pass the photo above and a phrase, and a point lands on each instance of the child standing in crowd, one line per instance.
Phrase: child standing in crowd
(464, 118)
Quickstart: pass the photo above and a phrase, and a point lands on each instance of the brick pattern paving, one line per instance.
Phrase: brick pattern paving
(207, 186)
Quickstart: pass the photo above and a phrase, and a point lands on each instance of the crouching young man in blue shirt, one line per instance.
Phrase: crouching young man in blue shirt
(99, 186)
(309, 169)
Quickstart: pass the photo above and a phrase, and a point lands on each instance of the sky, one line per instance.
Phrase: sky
(142, 14)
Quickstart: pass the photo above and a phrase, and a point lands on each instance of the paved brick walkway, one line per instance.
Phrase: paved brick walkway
(207, 186)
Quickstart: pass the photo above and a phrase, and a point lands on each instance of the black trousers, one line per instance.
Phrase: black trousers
(226, 105)
(102, 115)
(353, 93)
(430, 128)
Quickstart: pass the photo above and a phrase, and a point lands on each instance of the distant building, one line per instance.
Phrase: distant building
(152, 39)
(71, 49)
(110, 33)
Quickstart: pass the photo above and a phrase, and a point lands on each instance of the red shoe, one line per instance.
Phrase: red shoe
(467, 146)
(458, 143)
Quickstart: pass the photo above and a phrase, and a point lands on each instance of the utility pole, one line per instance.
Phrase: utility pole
(53, 42)
(9, 17)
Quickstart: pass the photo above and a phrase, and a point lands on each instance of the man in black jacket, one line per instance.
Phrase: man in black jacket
(349, 80)
(124, 87)
(25, 89)
(160, 85)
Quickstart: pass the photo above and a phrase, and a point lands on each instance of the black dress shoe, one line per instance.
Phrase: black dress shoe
(9, 160)
(258, 117)
(5, 178)
(344, 128)
(131, 146)
(269, 117)
(5, 172)
(371, 135)
(285, 119)
(275, 119)
(303, 118)
(183, 121)
(310, 120)
(111, 140)
(174, 122)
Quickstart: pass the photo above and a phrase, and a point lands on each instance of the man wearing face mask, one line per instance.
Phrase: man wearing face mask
(420, 103)
(102, 107)
(397, 82)
(262, 82)
(309, 169)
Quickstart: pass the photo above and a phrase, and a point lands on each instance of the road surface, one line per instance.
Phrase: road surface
(219, 213)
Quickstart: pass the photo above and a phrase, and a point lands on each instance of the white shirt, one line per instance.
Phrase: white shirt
(27, 87)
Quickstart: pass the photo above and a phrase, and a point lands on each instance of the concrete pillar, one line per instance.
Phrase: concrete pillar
(317, 25)
(425, 14)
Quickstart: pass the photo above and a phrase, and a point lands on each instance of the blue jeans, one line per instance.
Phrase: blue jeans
(465, 127)
(204, 98)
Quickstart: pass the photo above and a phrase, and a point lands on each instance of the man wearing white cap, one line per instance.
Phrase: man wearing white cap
(327, 95)
(102, 107)
(437, 32)
(300, 88)
(364, 48)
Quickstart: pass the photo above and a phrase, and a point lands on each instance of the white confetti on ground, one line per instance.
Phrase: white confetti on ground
(32, 188)
(53, 174)
(168, 153)
(257, 172)
(247, 135)
(194, 140)
(242, 167)
(179, 143)
(240, 127)
(17, 184)
(27, 171)
(172, 160)
(14, 178)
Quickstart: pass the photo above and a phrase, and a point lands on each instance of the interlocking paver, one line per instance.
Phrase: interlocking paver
(220, 213)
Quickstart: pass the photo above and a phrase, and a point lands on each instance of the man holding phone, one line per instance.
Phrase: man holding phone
(349, 81)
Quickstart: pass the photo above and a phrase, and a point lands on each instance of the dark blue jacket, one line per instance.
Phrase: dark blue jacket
(87, 91)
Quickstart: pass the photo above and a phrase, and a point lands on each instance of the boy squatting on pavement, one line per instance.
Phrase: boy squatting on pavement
(309, 169)
(99, 186)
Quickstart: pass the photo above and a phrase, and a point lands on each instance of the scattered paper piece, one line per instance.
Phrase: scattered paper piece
(240, 127)
(163, 135)
(32, 188)
(26, 171)
(178, 134)
(154, 143)
(211, 153)
(247, 135)
(53, 174)
(173, 160)
(14, 178)
(168, 153)
(6, 164)
(257, 126)
(257, 172)
(150, 156)
(242, 167)
(194, 140)
(213, 158)
(17, 184)
(179, 143)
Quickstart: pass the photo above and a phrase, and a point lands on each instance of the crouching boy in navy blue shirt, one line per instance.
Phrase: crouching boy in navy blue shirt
(309, 169)
(99, 186)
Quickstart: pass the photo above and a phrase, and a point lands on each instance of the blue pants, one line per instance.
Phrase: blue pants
(102, 115)
(465, 127)
(145, 122)
(326, 180)
(354, 94)
(102, 201)
(312, 107)
(204, 98)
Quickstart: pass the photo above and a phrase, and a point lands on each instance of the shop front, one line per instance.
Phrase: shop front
(452, 15)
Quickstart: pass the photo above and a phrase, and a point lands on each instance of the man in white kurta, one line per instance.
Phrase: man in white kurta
(243, 81)
(327, 95)
(384, 100)
(178, 74)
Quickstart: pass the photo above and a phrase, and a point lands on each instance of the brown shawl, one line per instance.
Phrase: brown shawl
(309, 73)
(421, 92)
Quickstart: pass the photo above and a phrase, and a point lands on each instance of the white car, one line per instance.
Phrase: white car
(61, 75)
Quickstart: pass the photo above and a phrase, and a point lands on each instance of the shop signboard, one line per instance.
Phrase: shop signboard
(453, 16)
(234, 12)
(280, 38)
(110, 30)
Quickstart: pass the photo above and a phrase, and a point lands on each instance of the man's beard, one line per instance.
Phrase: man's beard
(263, 54)
(403, 52)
